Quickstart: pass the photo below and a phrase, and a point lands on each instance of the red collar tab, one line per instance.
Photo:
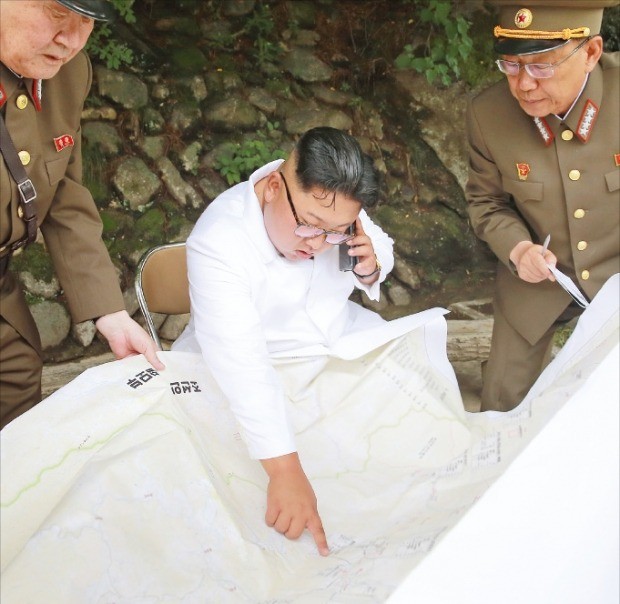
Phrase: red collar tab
(545, 130)
(586, 121)
(36, 93)
(2, 96)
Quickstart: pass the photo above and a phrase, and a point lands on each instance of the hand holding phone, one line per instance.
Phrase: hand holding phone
(346, 262)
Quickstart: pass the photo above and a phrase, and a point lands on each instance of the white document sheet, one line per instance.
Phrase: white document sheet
(132, 486)
(548, 529)
(565, 282)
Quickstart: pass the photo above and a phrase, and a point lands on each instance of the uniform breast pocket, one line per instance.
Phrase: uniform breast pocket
(523, 192)
(613, 180)
(56, 169)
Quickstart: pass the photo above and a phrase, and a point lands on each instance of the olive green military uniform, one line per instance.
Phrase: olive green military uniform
(46, 132)
(530, 177)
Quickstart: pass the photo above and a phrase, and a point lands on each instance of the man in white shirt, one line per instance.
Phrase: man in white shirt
(265, 283)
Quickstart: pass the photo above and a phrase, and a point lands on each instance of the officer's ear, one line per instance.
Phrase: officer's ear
(594, 50)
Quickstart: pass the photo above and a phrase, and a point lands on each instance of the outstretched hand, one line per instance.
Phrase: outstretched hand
(125, 337)
(291, 502)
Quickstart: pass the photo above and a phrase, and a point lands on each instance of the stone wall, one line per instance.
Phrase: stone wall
(157, 135)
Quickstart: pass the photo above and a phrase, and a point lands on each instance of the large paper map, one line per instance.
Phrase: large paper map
(132, 486)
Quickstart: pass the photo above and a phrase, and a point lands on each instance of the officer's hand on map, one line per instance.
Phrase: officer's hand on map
(125, 337)
(291, 502)
(531, 261)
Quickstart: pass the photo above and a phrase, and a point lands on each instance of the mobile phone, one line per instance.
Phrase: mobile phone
(346, 262)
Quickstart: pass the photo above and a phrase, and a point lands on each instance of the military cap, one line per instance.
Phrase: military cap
(534, 26)
(101, 10)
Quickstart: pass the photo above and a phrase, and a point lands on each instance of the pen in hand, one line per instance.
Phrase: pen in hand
(543, 251)
(545, 244)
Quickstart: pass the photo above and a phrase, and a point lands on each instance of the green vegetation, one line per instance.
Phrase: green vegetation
(103, 45)
(238, 160)
(562, 334)
(260, 28)
(610, 28)
(447, 47)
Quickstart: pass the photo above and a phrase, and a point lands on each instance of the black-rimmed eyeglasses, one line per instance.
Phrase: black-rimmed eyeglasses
(538, 71)
(308, 231)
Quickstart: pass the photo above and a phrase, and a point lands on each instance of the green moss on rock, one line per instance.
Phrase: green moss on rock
(34, 259)
(187, 60)
(114, 222)
(150, 227)
(438, 240)
(95, 175)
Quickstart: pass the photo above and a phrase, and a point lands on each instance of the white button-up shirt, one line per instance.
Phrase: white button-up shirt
(250, 305)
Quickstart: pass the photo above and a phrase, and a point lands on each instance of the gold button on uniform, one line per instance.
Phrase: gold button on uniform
(24, 156)
(567, 135)
(21, 101)
(582, 245)
(579, 213)
(585, 275)
(574, 174)
(20, 212)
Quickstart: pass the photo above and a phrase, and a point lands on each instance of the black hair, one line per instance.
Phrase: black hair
(334, 161)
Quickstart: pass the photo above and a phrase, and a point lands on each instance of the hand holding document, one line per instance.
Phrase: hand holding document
(569, 286)
(564, 280)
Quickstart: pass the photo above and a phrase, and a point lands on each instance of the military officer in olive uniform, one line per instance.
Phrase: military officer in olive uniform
(544, 159)
(44, 80)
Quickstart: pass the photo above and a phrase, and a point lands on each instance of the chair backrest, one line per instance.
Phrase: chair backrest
(161, 283)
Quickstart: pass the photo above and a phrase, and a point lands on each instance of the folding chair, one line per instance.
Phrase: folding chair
(161, 283)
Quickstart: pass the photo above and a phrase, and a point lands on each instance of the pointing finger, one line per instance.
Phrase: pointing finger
(316, 530)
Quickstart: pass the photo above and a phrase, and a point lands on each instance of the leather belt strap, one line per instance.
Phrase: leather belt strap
(27, 192)
(4, 264)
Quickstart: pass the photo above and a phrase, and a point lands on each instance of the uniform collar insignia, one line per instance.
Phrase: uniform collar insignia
(10, 81)
(36, 93)
(545, 130)
(586, 121)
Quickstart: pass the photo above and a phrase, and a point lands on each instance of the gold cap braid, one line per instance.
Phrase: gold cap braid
(565, 34)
